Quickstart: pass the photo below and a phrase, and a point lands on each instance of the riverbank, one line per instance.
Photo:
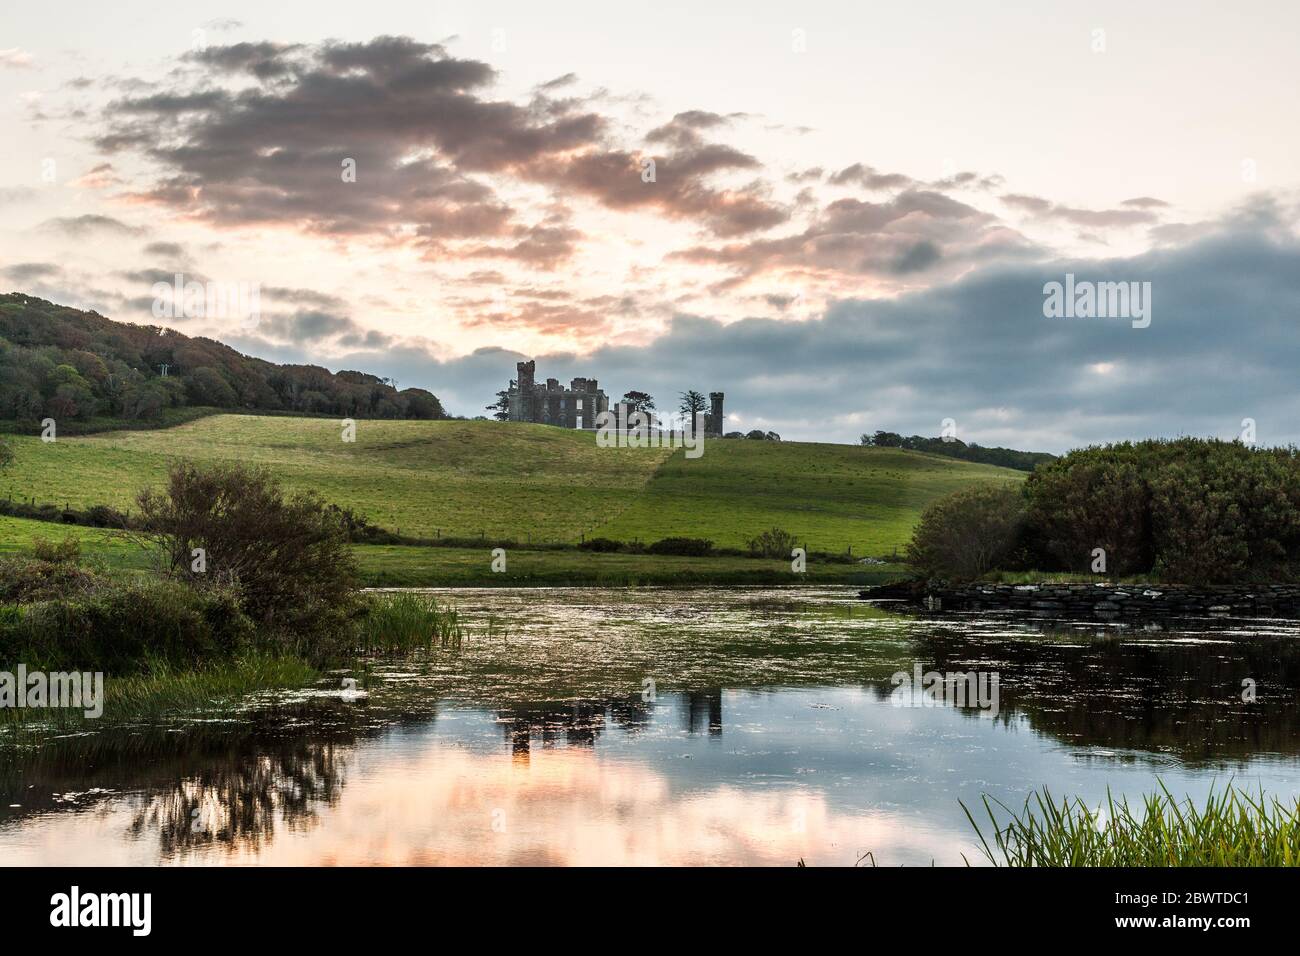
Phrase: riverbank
(1102, 600)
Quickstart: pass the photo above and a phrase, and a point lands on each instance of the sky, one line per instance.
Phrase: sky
(841, 215)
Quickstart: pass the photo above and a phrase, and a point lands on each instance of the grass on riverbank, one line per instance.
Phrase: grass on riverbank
(404, 622)
(163, 691)
(413, 566)
(1233, 828)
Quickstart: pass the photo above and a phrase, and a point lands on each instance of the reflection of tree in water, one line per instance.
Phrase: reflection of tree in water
(274, 766)
(238, 803)
(1136, 691)
(580, 723)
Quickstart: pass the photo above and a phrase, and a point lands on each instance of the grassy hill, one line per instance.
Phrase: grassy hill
(528, 482)
(831, 497)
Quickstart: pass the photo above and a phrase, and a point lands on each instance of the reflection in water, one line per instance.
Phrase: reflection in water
(542, 748)
(240, 803)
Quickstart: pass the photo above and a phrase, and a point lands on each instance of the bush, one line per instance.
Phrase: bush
(775, 543)
(23, 580)
(692, 547)
(288, 555)
(1194, 511)
(601, 545)
(967, 534)
(102, 516)
(122, 629)
(1095, 499)
(68, 550)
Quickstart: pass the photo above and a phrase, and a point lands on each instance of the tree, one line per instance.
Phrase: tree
(206, 386)
(421, 403)
(693, 403)
(638, 401)
(500, 409)
(883, 439)
(969, 533)
(288, 555)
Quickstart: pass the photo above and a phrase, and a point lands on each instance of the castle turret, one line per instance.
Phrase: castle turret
(713, 421)
(523, 409)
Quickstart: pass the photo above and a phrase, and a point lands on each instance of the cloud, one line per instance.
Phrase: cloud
(167, 250)
(1134, 212)
(16, 59)
(27, 271)
(915, 231)
(422, 133)
(978, 350)
(869, 178)
(16, 194)
(79, 227)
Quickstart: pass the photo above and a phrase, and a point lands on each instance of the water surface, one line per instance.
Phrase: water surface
(651, 726)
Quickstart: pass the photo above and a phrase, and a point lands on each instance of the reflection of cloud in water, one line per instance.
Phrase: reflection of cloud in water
(566, 806)
(570, 807)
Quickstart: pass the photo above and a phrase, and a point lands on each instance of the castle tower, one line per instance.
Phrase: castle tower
(524, 372)
(713, 423)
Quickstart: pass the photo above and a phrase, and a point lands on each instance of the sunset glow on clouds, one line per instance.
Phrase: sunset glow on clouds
(501, 199)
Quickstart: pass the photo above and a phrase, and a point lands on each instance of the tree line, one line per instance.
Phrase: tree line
(62, 363)
(1187, 510)
(955, 448)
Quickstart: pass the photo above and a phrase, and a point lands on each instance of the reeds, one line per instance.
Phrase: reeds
(405, 621)
(1233, 828)
(162, 690)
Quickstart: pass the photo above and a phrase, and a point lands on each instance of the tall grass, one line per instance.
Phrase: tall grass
(1233, 828)
(164, 689)
(404, 621)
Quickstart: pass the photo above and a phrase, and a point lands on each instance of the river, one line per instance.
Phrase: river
(656, 726)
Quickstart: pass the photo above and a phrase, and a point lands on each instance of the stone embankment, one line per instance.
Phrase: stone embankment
(1105, 601)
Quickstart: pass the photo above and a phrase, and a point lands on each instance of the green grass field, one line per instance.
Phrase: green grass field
(410, 566)
(526, 482)
(831, 497)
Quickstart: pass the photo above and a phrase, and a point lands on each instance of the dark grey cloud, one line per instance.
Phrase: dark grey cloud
(917, 230)
(27, 271)
(422, 130)
(172, 250)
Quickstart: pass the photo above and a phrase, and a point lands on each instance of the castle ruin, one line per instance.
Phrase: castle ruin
(551, 404)
(578, 405)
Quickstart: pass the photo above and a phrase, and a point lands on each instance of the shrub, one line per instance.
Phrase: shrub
(287, 554)
(775, 543)
(23, 580)
(601, 545)
(121, 629)
(102, 516)
(693, 547)
(1095, 499)
(968, 533)
(1193, 510)
(67, 550)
